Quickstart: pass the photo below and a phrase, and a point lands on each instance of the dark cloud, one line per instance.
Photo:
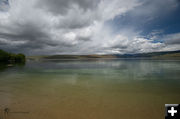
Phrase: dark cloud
(79, 26)
(172, 39)
(63, 6)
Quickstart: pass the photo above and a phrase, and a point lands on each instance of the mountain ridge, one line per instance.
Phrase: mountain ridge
(153, 55)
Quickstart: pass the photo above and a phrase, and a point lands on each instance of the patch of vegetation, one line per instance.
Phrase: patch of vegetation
(6, 57)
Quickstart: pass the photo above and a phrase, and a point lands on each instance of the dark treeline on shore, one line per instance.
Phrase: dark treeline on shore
(11, 58)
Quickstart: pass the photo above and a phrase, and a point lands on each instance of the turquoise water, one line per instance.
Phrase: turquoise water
(91, 89)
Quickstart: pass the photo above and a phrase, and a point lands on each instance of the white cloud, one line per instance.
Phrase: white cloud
(122, 44)
(69, 27)
(172, 39)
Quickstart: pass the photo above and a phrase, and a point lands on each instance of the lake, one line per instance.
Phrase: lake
(89, 89)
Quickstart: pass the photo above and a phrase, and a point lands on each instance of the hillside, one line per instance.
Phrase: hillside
(153, 55)
(54, 57)
(166, 54)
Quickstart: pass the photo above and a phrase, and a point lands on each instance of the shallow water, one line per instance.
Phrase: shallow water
(93, 89)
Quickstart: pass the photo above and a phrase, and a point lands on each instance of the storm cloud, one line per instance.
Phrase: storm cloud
(81, 26)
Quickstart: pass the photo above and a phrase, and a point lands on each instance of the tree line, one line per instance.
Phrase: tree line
(11, 57)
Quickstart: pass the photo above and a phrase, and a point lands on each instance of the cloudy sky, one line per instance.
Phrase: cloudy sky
(37, 27)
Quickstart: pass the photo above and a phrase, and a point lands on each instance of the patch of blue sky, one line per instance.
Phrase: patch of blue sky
(168, 23)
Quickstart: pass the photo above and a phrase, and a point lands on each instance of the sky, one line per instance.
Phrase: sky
(41, 27)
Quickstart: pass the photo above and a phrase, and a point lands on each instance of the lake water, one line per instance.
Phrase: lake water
(92, 89)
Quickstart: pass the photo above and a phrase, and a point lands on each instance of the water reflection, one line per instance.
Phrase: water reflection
(4, 66)
(103, 69)
(100, 89)
(112, 69)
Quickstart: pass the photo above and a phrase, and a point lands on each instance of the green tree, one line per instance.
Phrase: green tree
(11, 58)
(4, 56)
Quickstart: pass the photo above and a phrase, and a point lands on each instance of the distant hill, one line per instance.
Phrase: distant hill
(63, 57)
(166, 54)
(153, 55)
